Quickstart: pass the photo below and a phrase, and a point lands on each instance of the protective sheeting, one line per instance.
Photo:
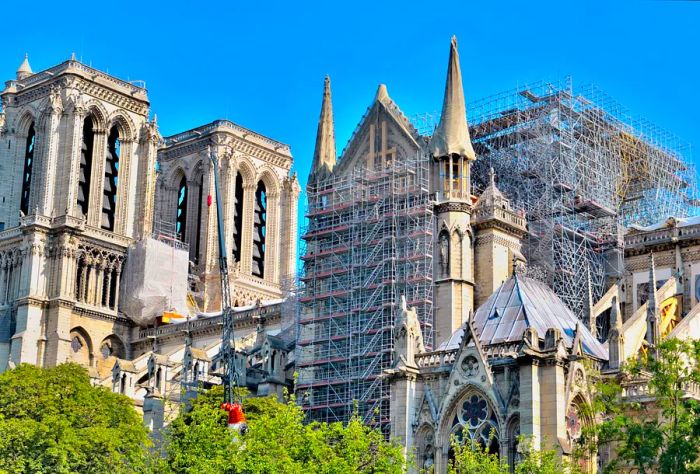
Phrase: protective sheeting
(521, 303)
(154, 280)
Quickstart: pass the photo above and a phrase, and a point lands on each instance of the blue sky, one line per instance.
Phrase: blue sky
(263, 66)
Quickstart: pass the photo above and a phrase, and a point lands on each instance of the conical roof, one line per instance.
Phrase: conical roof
(491, 195)
(452, 133)
(24, 69)
(521, 303)
(325, 153)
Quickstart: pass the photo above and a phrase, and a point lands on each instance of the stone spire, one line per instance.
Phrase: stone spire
(616, 340)
(653, 335)
(24, 70)
(452, 133)
(324, 155)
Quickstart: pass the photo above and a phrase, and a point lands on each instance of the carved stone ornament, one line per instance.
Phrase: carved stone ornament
(470, 366)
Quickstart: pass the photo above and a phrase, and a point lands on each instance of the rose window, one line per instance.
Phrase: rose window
(476, 421)
(573, 423)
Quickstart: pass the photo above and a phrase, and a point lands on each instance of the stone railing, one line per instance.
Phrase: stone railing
(487, 212)
(435, 359)
(640, 389)
(246, 315)
(82, 69)
(660, 236)
(246, 134)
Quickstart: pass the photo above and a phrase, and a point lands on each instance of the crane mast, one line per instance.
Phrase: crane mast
(228, 351)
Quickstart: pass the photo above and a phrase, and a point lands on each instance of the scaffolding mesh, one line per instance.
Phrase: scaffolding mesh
(582, 169)
(369, 241)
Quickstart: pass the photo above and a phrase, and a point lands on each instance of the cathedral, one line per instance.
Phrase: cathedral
(415, 306)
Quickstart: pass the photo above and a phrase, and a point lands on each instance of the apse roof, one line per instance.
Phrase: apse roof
(521, 303)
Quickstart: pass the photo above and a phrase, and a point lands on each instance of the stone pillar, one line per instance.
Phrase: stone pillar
(97, 177)
(123, 218)
(74, 177)
(108, 289)
(530, 402)
(118, 272)
(272, 230)
(404, 394)
(99, 283)
(90, 292)
(553, 402)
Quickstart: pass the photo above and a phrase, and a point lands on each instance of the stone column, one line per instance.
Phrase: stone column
(272, 230)
(90, 294)
(74, 177)
(99, 283)
(3, 279)
(50, 158)
(123, 218)
(553, 402)
(97, 178)
(108, 290)
(118, 272)
(404, 394)
(530, 403)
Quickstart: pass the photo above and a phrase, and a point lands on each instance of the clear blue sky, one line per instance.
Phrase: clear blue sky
(261, 64)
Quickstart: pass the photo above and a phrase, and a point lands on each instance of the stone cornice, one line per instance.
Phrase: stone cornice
(238, 138)
(453, 206)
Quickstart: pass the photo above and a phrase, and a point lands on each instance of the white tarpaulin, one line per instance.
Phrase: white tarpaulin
(154, 280)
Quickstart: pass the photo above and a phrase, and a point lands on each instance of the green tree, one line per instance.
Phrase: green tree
(277, 440)
(660, 433)
(54, 421)
(473, 458)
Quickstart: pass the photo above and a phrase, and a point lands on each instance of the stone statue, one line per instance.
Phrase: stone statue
(444, 251)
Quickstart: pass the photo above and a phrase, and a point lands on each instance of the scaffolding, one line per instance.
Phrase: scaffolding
(582, 169)
(369, 241)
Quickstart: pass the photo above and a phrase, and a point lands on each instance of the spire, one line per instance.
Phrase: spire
(592, 327)
(653, 335)
(382, 94)
(452, 133)
(324, 155)
(616, 341)
(24, 70)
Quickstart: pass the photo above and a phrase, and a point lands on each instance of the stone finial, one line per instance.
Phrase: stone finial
(382, 94)
(325, 153)
(452, 133)
(24, 70)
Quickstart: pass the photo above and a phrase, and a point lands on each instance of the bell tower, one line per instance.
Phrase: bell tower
(452, 154)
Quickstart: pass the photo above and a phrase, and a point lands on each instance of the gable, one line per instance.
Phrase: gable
(383, 135)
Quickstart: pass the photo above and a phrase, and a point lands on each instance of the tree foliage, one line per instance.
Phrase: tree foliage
(277, 440)
(54, 421)
(473, 458)
(657, 432)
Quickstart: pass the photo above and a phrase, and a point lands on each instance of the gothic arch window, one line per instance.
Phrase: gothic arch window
(237, 217)
(513, 441)
(476, 422)
(86, 152)
(259, 230)
(181, 209)
(198, 236)
(111, 178)
(28, 165)
(444, 251)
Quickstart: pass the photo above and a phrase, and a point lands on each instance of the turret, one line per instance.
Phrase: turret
(24, 70)
(451, 144)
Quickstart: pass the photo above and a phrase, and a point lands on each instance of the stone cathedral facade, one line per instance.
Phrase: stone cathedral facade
(88, 184)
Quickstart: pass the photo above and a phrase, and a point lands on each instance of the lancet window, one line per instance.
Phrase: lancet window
(237, 217)
(259, 230)
(28, 165)
(198, 237)
(86, 151)
(181, 211)
(111, 178)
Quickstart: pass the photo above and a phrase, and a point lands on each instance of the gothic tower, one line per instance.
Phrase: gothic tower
(452, 153)
(77, 178)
